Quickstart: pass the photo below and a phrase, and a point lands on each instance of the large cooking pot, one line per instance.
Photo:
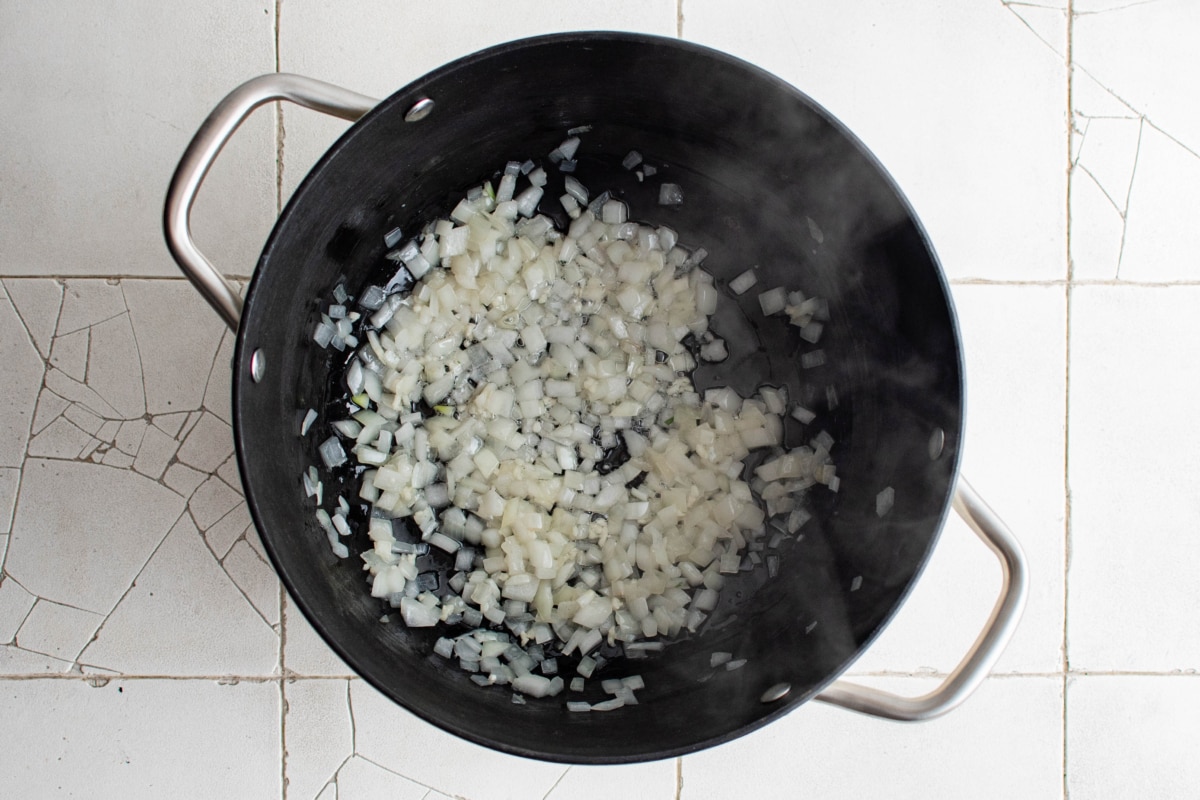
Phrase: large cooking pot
(770, 179)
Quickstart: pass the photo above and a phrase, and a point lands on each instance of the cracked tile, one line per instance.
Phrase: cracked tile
(87, 302)
(330, 792)
(117, 459)
(15, 661)
(655, 779)
(175, 366)
(1097, 230)
(38, 301)
(108, 431)
(304, 651)
(1108, 152)
(947, 83)
(183, 479)
(154, 452)
(229, 472)
(70, 352)
(1113, 47)
(49, 406)
(170, 423)
(1047, 23)
(129, 438)
(61, 440)
(23, 368)
(360, 779)
(3, 548)
(184, 616)
(142, 738)
(84, 669)
(207, 444)
(1083, 7)
(90, 448)
(218, 391)
(222, 534)
(114, 370)
(255, 578)
(67, 387)
(84, 419)
(1093, 101)
(255, 541)
(212, 501)
(9, 480)
(93, 521)
(188, 423)
(319, 735)
(15, 603)
(389, 735)
(57, 630)
(1162, 236)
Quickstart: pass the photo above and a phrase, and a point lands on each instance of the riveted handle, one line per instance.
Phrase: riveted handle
(972, 670)
(203, 150)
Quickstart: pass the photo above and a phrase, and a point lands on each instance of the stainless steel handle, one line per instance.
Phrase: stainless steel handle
(979, 661)
(202, 152)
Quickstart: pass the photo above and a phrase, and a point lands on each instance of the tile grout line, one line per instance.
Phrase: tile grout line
(1066, 661)
(279, 132)
(282, 680)
(678, 19)
(283, 706)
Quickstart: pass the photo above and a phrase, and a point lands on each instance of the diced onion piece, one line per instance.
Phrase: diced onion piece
(332, 452)
(772, 301)
(742, 282)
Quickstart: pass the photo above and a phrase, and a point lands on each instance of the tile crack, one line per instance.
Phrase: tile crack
(137, 348)
(1103, 191)
(1128, 194)
(1025, 22)
(554, 785)
(1115, 8)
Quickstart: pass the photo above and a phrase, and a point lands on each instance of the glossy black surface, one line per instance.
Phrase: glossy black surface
(757, 161)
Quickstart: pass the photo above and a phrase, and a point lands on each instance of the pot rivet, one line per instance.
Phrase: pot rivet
(258, 365)
(937, 441)
(776, 692)
(419, 111)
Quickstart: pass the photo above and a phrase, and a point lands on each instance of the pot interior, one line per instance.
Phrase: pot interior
(769, 179)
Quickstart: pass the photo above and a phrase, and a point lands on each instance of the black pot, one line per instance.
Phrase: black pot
(770, 179)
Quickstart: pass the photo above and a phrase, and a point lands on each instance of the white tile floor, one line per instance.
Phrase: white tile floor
(1052, 148)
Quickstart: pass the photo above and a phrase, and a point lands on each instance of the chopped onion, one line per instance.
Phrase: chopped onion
(309, 418)
(332, 453)
(589, 496)
(772, 301)
(742, 282)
